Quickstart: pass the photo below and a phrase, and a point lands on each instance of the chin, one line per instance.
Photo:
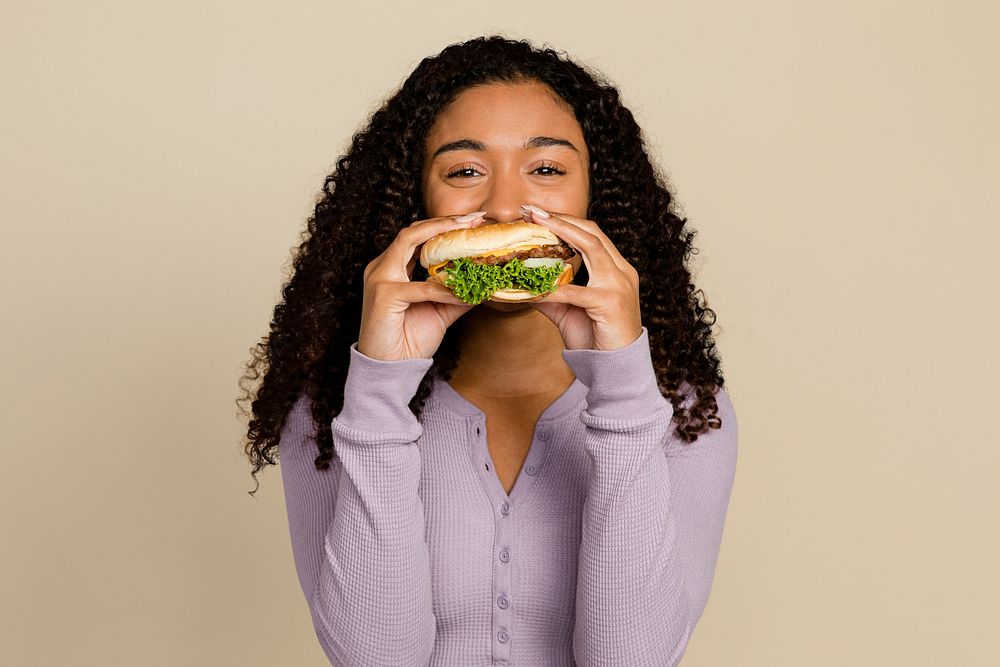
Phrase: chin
(506, 307)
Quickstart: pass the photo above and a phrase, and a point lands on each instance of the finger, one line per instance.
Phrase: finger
(595, 254)
(403, 247)
(450, 313)
(574, 295)
(593, 228)
(419, 292)
(440, 218)
(553, 311)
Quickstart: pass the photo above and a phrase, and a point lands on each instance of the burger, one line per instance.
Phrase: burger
(509, 262)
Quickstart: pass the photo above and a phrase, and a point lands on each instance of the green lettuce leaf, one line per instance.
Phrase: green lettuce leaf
(474, 283)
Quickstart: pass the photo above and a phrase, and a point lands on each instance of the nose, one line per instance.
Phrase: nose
(505, 193)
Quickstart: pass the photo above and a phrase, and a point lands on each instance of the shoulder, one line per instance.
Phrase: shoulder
(716, 443)
(300, 412)
(726, 411)
(299, 427)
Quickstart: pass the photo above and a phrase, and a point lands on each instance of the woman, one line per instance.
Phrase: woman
(538, 483)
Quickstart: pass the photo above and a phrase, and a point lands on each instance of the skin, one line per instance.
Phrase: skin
(499, 179)
(507, 349)
(500, 174)
(504, 132)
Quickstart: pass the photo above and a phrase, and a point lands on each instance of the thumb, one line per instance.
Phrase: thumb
(553, 311)
(450, 312)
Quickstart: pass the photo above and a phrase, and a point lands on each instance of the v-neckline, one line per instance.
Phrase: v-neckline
(541, 438)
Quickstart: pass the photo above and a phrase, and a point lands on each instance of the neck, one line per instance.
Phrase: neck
(515, 351)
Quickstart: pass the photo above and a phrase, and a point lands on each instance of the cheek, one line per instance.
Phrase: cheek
(572, 199)
(581, 198)
(435, 197)
(433, 206)
(448, 201)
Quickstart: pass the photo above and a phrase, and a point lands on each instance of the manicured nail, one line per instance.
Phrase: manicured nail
(470, 217)
(537, 211)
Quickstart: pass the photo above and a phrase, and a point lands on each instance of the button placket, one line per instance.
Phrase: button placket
(502, 574)
(534, 465)
(503, 610)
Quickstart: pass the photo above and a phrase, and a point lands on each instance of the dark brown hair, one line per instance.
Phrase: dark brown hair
(375, 190)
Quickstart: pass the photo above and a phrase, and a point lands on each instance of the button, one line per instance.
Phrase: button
(505, 508)
(503, 636)
(503, 601)
(543, 435)
(531, 470)
(505, 555)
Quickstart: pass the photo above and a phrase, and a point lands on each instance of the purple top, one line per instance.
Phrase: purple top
(409, 552)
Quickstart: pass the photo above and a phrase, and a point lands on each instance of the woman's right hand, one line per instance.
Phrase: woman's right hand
(401, 319)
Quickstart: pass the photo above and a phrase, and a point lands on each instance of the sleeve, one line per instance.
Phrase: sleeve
(653, 517)
(357, 529)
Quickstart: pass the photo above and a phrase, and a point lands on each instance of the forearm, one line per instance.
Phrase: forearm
(373, 594)
(632, 605)
(358, 528)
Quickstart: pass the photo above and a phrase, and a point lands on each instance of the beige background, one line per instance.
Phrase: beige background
(839, 160)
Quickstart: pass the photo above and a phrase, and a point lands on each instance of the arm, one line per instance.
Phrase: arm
(357, 529)
(653, 518)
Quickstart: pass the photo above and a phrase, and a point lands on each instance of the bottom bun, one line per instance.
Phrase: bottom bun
(524, 296)
(516, 295)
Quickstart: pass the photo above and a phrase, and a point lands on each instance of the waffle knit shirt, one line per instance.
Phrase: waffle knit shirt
(409, 552)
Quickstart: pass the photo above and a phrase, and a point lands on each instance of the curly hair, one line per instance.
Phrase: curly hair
(375, 190)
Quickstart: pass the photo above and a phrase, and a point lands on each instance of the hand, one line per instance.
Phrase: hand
(604, 315)
(401, 319)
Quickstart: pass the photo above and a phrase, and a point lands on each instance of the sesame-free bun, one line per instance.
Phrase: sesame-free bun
(515, 295)
(482, 240)
(523, 295)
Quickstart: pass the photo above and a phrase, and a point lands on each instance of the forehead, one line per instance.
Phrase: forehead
(502, 115)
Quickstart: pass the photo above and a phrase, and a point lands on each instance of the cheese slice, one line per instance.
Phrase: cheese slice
(431, 270)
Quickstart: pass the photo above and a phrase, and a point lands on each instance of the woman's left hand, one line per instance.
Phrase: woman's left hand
(604, 315)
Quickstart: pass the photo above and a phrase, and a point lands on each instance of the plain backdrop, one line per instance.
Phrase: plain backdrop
(838, 160)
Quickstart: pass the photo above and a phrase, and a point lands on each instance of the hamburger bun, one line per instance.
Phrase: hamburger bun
(515, 295)
(498, 240)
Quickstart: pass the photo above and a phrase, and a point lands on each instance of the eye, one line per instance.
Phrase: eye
(462, 172)
(552, 170)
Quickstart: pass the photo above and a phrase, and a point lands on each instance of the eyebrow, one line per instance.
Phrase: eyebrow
(473, 145)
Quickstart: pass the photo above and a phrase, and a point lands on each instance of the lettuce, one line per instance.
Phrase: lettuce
(474, 283)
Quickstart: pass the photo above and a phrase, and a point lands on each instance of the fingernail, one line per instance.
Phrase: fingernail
(470, 217)
(537, 211)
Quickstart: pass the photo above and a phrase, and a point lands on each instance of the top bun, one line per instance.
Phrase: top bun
(483, 239)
